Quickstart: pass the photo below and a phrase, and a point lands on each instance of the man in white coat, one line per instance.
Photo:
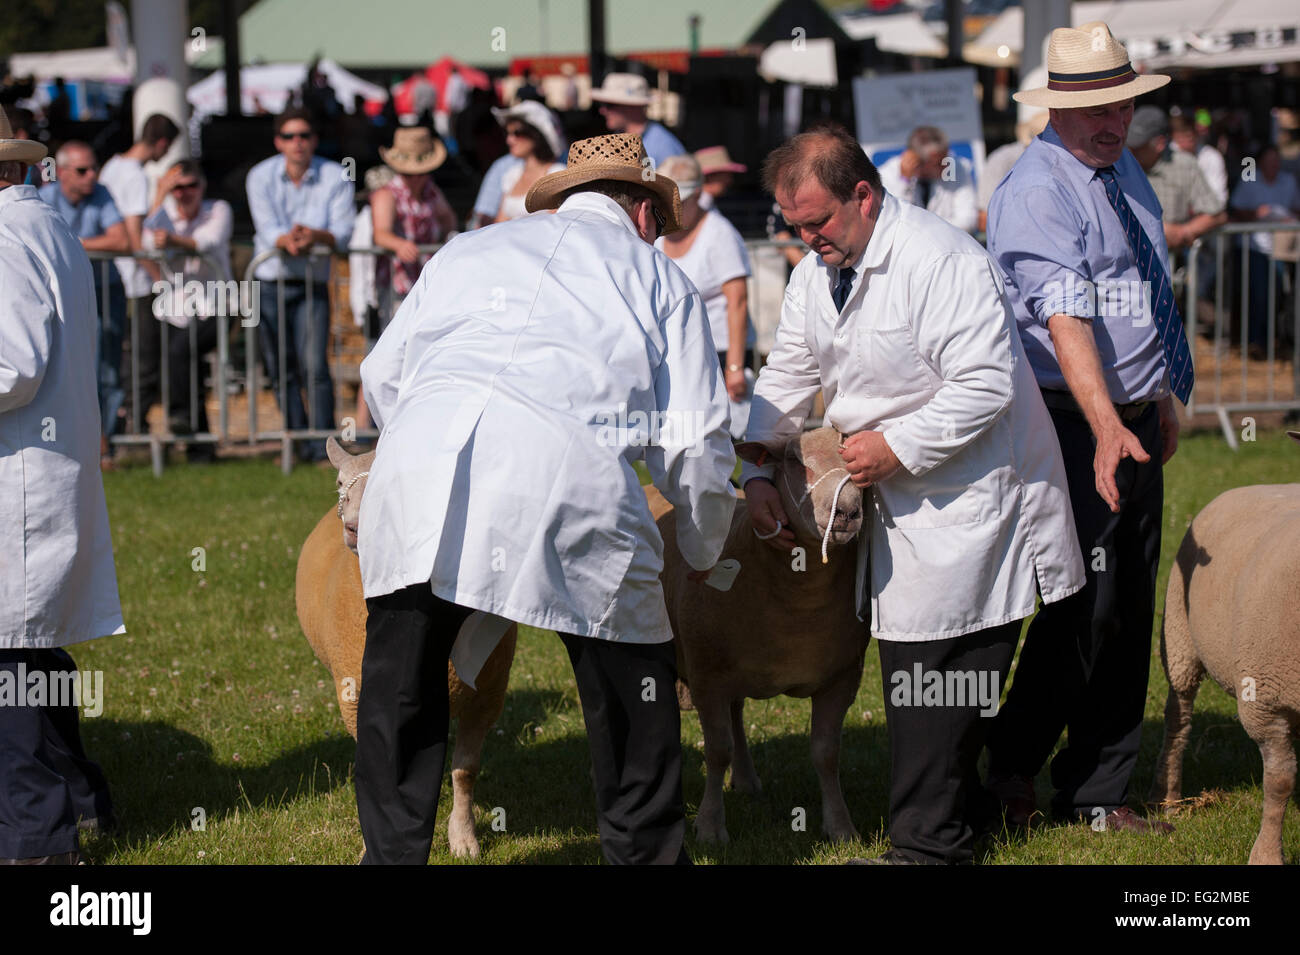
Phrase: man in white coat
(57, 581)
(900, 321)
(531, 364)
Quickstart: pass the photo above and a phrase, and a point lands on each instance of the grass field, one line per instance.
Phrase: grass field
(216, 708)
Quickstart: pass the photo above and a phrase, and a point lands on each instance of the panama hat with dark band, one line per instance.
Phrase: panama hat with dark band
(1087, 66)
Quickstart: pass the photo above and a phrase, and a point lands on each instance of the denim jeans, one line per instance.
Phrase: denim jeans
(1261, 317)
(108, 357)
(306, 361)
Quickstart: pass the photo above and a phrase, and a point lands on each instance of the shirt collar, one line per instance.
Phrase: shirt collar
(309, 176)
(882, 238)
(18, 193)
(603, 206)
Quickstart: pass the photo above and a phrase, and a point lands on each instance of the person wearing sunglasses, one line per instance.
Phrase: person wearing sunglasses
(181, 223)
(507, 391)
(299, 201)
(533, 134)
(87, 207)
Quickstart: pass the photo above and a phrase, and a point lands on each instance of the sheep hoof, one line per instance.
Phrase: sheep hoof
(711, 832)
(749, 785)
(1265, 855)
(463, 843)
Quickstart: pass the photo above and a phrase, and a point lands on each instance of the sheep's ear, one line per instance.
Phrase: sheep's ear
(338, 457)
(1293, 435)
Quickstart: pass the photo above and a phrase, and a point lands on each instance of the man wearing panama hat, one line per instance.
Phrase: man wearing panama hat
(58, 585)
(1076, 229)
(530, 365)
(624, 98)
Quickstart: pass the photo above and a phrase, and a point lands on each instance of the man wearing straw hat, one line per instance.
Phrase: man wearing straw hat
(531, 364)
(57, 582)
(624, 98)
(1076, 229)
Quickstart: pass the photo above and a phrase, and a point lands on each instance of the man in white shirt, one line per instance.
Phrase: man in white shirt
(58, 586)
(530, 365)
(927, 175)
(900, 321)
(124, 178)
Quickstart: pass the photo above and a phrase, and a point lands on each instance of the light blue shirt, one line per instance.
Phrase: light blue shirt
(488, 202)
(323, 200)
(1063, 250)
(659, 143)
(87, 219)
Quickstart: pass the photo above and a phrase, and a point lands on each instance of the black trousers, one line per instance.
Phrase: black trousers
(152, 332)
(1086, 659)
(47, 783)
(935, 795)
(402, 720)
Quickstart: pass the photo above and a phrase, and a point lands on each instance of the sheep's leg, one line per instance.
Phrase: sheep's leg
(744, 778)
(471, 730)
(715, 722)
(1184, 669)
(829, 704)
(1279, 782)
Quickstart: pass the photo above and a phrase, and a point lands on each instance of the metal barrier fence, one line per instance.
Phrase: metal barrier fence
(1222, 388)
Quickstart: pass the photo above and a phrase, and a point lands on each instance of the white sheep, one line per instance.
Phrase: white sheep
(787, 625)
(1232, 610)
(332, 612)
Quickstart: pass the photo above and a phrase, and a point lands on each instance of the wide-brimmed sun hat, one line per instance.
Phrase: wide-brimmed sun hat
(623, 89)
(1087, 66)
(414, 151)
(539, 118)
(18, 150)
(717, 159)
(618, 156)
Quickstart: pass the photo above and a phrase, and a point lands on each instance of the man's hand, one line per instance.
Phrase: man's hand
(407, 251)
(1168, 429)
(1177, 235)
(698, 576)
(1113, 444)
(868, 458)
(764, 503)
(909, 164)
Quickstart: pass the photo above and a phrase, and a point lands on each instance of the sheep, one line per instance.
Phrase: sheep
(1232, 610)
(787, 625)
(332, 612)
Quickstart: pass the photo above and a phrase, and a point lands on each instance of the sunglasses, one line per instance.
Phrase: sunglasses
(660, 221)
(82, 170)
(516, 133)
(294, 135)
(182, 186)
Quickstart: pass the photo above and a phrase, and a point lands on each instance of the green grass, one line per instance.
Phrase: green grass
(214, 701)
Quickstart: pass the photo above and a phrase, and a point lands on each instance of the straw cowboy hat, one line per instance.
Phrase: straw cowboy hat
(717, 159)
(539, 118)
(623, 89)
(619, 156)
(18, 150)
(1087, 66)
(414, 151)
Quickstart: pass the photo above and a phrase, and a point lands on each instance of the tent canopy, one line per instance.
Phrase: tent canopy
(272, 83)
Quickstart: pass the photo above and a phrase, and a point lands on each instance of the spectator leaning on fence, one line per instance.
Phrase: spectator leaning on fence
(899, 321)
(58, 585)
(298, 201)
(1188, 206)
(1184, 138)
(1271, 196)
(183, 223)
(531, 365)
(926, 174)
(623, 99)
(124, 178)
(86, 206)
(1076, 229)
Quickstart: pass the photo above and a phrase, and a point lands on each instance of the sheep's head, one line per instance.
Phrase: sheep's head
(811, 478)
(351, 482)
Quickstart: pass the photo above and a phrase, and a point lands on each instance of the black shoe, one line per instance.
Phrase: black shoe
(61, 858)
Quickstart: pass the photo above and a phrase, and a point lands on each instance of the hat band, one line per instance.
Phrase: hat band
(1103, 79)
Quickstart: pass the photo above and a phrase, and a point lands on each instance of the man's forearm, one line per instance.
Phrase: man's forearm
(1076, 351)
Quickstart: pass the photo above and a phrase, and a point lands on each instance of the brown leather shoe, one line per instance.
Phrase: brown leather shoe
(1016, 796)
(1125, 819)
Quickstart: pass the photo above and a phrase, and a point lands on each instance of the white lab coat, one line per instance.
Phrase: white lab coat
(500, 387)
(954, 199)
(926, 351)
(57, 581)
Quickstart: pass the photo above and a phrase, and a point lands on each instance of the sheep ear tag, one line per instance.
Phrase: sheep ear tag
(724, 574)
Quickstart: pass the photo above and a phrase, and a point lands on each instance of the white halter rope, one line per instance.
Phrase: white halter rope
(343, 491)
(830, 521)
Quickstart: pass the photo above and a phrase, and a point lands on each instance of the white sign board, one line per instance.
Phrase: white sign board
(888, 108)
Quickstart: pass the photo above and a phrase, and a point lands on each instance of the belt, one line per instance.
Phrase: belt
(1064, 401)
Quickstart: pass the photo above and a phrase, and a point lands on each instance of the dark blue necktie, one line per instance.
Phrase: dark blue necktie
(1169, 323)
(842, 289)
(923, 189)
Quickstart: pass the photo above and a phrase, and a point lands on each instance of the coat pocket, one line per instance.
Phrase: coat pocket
(908, 501)
(888, 363)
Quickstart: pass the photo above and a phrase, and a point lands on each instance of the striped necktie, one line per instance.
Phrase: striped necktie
(1169, 323)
